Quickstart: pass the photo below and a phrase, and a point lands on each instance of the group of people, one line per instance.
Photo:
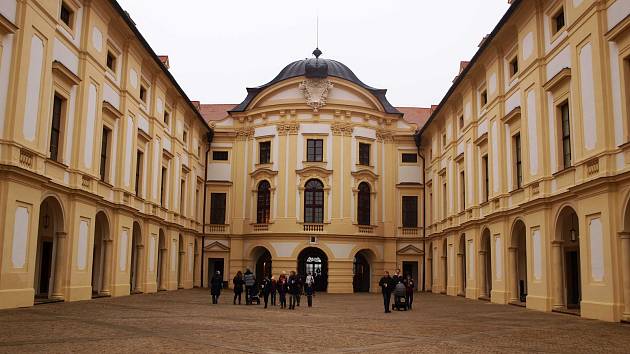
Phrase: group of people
(293, 286)
(401, 287)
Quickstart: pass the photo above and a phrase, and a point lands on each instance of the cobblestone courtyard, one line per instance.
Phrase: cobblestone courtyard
(184, 321)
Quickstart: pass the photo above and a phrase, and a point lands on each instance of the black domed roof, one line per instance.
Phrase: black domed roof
(317, 68)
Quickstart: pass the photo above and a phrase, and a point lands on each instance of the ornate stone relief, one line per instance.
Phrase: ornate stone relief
(291, 128)
(245, 133)
(315, 92)
(342, 128)
(384, 135)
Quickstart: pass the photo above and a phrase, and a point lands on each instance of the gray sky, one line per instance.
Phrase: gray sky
(412, 48)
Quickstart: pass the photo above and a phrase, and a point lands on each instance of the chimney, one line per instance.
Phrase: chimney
(164, 60)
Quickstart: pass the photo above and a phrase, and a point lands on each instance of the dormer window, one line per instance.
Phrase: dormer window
(66, 15)
(558, 21)
(484, 97)
(143, 93)
(513, 67)
(111, 61)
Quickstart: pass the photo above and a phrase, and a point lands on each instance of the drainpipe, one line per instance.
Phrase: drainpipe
(418, 140)
(209, 137)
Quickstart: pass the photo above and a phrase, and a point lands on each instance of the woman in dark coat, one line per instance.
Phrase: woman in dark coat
(238, 286)
(410, 287)
(274, 289)
(282, 290)
(215, 287)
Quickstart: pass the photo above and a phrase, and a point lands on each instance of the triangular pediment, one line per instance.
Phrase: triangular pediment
(216, 246)
(410, 249)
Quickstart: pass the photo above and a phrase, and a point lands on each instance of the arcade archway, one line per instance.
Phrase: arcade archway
(518, 263)
(101, 257)
(361, 270)
(136, 261)
(485, 263)
(50, 248)
(313, 260)
(263, 263)
(566, 261)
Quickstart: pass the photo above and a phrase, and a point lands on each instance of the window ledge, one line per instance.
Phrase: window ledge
(564, 171)
(57, 163)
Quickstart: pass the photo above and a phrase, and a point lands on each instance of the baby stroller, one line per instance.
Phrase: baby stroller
(400, 300)
(255, 295)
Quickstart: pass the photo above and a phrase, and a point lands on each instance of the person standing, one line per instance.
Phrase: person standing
(250, 281)
(309, 290)
(282, 290)
(300, 285)
(386, 283)
(265, 286)
(293, 290)
(238, 286)
(410, 286)
(274, 289)
(216, 283)
(397, 277)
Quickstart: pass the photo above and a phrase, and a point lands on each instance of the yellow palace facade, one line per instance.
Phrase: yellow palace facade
(113, 182)
(527, 172)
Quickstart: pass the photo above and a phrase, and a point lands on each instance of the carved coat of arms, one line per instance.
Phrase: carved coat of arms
(315, 92)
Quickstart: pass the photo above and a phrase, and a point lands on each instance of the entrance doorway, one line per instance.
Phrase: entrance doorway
(180, 263)
(461, 259)
(47, 280)
(361, 273)
(486, 265)
(101, 257)
(215, 265)
(444, 266)
(161, 262)
(136, 252)
(313, 260)
(263, 263)
(568, 294)
(411, 268)
(518, 259)
(430, 268)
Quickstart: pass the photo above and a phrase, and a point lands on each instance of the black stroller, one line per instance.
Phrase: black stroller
(254, 295)
(400, 299)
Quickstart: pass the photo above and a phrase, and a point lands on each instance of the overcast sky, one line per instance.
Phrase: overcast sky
(412, 48)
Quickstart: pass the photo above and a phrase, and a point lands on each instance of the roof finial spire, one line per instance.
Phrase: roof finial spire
(317, 52)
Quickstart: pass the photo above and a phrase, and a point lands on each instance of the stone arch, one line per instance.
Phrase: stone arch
(624, 242)
(262, 260)
(51, 249)
(314, 260)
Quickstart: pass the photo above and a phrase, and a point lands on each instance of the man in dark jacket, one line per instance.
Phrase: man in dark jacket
(387, 286)
(294, 289)
(216, 283)
(397, 277)
(266, 289)
(250, 281)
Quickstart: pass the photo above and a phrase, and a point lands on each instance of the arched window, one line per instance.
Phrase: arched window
(264, 202)
(363, 204)
(314, 202)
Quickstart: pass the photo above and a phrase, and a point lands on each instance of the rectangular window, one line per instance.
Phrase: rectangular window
(264, 152)
(410, 211)
(217, 208)
(167, 117)
(55, 129)
(197, 200)
(104, 152)
(182, 197)
(461, 122)
(518, 161)
(111, 61)
(314, 150)
(430, 208)
(364, 154)
(410, 158)
(558, 21)
(484, 98)
(185, 136)
(444, 200)
(462, 189)
(139, 164)
(514, 66)
(163, 185)
(443, 140)
(566, 134)
(143, 93)
(485, 178)
(220, 155)
(66, 15)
